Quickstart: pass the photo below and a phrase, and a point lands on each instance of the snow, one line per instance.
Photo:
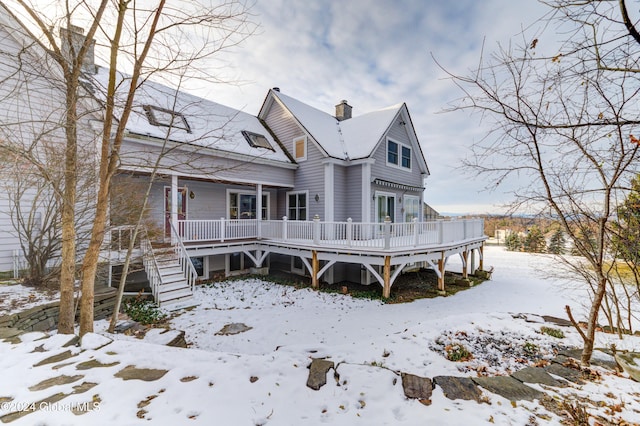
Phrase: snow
(352, 139)
(16, 297)
(259, 376)
(211, 124)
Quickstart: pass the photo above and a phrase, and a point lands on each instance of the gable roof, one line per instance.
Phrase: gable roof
(351, 139)
(196, 121)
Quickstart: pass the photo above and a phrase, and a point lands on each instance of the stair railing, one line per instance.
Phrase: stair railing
(150, 266)
(188, 270)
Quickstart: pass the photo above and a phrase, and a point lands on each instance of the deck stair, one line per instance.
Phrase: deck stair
(173, 291)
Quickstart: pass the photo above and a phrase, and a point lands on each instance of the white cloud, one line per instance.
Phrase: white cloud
(376, 54)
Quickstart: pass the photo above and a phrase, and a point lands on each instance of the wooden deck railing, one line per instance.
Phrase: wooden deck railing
(384, 235)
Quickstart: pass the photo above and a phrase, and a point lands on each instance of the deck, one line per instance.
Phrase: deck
(388, 246)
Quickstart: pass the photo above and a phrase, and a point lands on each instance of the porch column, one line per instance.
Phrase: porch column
(366, 193)
(259, 209)
(329, 192)
(481, 257)
(174, 206)
(315, 266)
(441, 269)
(386, 288)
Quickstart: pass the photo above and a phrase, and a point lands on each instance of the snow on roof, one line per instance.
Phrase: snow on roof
(349, 139)
(196, 121)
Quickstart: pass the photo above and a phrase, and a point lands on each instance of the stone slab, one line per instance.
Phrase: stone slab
(459, 388)
(567, 373)
(318, 373)
(508, 387)
(537, 375)
(417, 387)
(132, 372)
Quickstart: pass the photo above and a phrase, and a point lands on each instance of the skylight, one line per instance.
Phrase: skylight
(164, 117)
(257, 140)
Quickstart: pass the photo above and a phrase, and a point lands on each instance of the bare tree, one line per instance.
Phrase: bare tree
(159, 39)
(564, 118)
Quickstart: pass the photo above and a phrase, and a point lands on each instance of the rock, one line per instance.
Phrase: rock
(459, 388)
(557, 321)
(233, 328)
(131, 372)
(600, 357)
(9, 332)
(55, 358)
(55, 381)
(570, 374)
(630, 363)
(536, 375)
(508, 387)
(318, 373)
(417, 387)
(94, 363)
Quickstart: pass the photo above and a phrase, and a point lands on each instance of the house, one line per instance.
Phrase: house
(32, 140)
(334, 196)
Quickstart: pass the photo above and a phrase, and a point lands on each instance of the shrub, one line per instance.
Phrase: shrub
(143, 311)
(553, 332)
(530, 349)
(457, 352)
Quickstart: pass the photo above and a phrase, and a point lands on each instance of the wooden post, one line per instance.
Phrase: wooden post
(315, 266)
(465, 255)
(482, 257)
(441, 269)
(386, 289)
(473, 261)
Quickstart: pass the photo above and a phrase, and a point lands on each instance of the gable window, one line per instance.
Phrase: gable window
(406, 157)
(300, 148)
(297, 205)
(392, 153)
(398, 155)
(257, 140)
(165, 117)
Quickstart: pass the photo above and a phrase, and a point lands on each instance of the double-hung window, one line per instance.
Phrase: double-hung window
(297, 206)
(398, 155)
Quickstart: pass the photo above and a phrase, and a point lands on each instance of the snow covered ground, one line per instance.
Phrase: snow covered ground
(258, 377)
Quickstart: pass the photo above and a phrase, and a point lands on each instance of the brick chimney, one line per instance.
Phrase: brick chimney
(343, 110)
(75, 36)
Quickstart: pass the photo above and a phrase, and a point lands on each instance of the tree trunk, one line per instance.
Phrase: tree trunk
(592, 324)
(91, 258)
(66, 319)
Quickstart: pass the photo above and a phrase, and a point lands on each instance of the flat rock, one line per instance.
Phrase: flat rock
(94, 363)
(132, 372)
(233, 328)
(508, 387)
(55, 358)
(537, 375)
(9, 332)
(567, 373)
(630, 363)
(557, 321)
(417, 387)
(318, 373)
(459, 388)
(600, 357)
(54, 381)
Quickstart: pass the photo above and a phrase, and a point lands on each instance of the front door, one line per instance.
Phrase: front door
(182, 208)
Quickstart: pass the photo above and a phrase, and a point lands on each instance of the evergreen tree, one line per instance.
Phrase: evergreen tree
(534, 241)
(513, 242)
(625, 242)
(557, 243)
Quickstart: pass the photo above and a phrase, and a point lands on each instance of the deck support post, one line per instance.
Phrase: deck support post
(473, 261)
(481, 257)
(315, 267)
(441, 269)
(386, 287)
(465, 255)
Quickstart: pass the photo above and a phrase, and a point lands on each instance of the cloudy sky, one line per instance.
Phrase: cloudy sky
(379, 53)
